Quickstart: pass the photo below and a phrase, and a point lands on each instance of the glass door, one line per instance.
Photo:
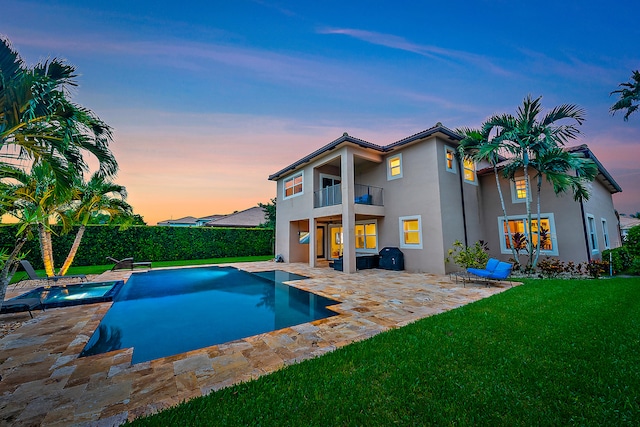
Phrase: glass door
(335, 241)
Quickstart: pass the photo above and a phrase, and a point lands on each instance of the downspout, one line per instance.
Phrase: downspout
(584, 229)
(464, 211)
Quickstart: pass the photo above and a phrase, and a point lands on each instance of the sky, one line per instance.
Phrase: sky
(208, 98)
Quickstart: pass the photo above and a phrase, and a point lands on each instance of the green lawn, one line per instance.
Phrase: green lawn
(551, 352)
(98, 269)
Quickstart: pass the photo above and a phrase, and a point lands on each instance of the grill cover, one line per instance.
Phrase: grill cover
(391, 259)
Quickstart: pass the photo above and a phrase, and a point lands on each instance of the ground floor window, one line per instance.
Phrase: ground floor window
(522, 232)
(366, 237)
(411, 232)
(593, 237)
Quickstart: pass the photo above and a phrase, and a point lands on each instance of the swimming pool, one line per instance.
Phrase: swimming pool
(84, 293)
(166, 312)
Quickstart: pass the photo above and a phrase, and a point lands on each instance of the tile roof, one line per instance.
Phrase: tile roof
(346, 138)
(251, 217)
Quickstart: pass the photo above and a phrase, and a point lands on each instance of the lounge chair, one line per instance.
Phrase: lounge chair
(31, 272)
(18, 305)
(495, 270)
(127, 263)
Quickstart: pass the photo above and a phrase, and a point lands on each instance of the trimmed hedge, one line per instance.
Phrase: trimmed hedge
(145, 243)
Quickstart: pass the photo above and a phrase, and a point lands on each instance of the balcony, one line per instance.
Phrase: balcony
(364, 195)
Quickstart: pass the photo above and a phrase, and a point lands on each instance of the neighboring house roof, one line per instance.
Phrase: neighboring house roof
(603, 175)
(187, 220)
(251, 217)
(346, 139)
(627, 222)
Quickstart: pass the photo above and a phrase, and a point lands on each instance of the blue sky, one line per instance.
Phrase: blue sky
(207, 98)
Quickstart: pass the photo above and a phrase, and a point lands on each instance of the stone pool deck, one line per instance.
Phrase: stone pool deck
(43, 382)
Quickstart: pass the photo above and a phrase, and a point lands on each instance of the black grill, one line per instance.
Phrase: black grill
(391, 259)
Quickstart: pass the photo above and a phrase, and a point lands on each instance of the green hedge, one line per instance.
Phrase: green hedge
(146, 243)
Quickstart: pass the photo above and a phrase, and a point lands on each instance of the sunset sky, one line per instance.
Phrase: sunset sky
(207, 98)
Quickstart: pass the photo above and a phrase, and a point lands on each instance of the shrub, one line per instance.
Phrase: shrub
(621, 259)
(475, 256)
(597, 268)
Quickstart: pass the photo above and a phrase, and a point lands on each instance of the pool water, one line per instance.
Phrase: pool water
(163, 313)
(84, 293)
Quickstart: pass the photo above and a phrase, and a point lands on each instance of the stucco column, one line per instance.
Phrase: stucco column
(348, 211)
(313, 259)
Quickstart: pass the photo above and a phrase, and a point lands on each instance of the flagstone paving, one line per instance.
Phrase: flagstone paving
(44, 382)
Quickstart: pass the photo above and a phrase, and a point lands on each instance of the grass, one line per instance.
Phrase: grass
(99, 269)
(552, 352)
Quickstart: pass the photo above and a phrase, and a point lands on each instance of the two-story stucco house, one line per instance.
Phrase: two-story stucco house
(352, 197)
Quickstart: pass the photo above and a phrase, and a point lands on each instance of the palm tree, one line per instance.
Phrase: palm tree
(39, 123)
(476, 145)
(565, 171)
(526, 136)
(99, 195)
(39, 199)
(629, 96)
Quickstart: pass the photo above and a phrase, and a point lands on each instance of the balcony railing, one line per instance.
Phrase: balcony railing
(364, 195)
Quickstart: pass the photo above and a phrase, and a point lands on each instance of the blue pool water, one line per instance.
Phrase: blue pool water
(84, 293)
(168, 312)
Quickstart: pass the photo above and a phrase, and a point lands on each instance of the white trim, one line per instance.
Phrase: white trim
(514, 192)
(401, 221)
(552, 232)
(593, 234)
(453, 168)
(605, 233)
(284, 185)
(389, 176)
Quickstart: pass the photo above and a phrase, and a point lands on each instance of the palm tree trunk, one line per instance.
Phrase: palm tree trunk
(539, 245)
(506, 218)
(9, 268)
(46, 250)
(72, 251)
(525, 163)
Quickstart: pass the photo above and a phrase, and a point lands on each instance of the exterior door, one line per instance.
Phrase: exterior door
(335, 241)
(320, 242)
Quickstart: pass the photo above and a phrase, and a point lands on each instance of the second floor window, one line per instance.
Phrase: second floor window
(450, 158)
(394, 167)
(293, 185)
(469, 170)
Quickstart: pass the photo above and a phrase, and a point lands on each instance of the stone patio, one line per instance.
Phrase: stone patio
(43, 382)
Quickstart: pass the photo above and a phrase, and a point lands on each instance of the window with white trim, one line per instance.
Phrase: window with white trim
(394, 167)
(450, 159)
(521, 233)
(293, 185)
(469, 171)
(593, 237)
(411, 232)
(605, 234)
(519, 190)
(366, 237)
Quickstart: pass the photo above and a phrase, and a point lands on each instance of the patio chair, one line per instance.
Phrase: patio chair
(31, 272)
(19, 305)
(128, 264)
(494, 270)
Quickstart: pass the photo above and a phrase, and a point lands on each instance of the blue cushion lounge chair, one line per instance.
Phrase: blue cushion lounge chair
(34, 276)
(495, 270)
(18, 305)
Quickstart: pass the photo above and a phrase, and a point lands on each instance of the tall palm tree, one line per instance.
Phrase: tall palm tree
(477, 145)
(529, 134)
(629, 96)
(565, 171)
(98, 195)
